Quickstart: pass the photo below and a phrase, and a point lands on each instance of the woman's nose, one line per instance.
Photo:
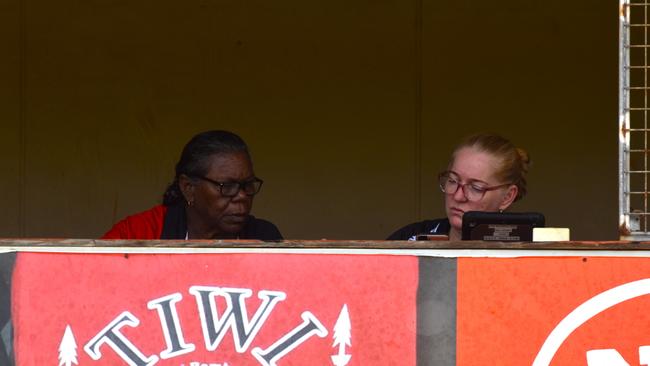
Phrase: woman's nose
(459, 195)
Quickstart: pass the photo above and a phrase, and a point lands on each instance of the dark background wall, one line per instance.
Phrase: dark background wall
(350, 108)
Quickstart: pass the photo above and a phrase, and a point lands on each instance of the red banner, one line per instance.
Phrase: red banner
(318, 309)
(214, 310)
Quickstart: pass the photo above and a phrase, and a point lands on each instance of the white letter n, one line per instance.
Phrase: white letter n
(605, 357)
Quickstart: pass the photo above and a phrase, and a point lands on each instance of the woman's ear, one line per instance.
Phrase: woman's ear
(186, 185)
(509, 197)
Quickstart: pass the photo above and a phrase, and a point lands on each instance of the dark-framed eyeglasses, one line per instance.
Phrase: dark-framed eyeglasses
(473, 191)
(231, 189)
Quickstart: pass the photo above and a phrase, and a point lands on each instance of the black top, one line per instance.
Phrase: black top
(426, 227)
(175, 226)
(260, 229)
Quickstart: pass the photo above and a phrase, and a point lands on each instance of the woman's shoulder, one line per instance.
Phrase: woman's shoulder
(142, 225)
(426, 227)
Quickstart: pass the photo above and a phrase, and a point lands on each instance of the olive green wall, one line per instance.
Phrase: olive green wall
(350, 108)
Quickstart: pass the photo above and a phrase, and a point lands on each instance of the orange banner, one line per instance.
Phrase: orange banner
(553, 311)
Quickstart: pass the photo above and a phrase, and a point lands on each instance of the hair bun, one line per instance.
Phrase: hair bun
(525, 159)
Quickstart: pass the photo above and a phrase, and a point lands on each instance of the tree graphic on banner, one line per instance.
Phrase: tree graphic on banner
(68, 349)
(342, 337)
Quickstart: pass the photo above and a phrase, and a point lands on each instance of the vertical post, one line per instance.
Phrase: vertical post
(623, 120)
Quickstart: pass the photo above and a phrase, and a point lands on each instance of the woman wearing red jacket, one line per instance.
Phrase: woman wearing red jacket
(210, 198)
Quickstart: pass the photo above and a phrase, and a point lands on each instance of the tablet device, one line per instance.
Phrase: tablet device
(500, 226)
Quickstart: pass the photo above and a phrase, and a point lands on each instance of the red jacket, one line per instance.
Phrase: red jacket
(151, 223)
(144, 225)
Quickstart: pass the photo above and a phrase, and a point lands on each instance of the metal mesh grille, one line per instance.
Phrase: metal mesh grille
(633, 119)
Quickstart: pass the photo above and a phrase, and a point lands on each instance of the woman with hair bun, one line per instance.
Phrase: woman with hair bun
(486, 173)
(210, 198)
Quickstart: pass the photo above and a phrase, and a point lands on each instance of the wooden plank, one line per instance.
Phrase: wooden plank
(323, 244)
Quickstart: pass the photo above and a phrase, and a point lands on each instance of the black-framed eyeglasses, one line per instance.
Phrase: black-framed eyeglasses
(231, 189)
(473, 191)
